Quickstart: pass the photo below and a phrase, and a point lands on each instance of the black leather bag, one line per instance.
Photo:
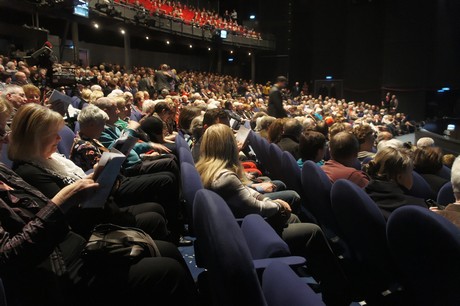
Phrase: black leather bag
(113, 244)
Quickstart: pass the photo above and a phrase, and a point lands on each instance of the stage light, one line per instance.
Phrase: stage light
(230, 59)
(190, 46)
(328, 77)
(446, 88)
(252, 17)
(167, 42)
(249, 53)
(96, 25)
(209, 49)
(146, 37)
(231, 51)
(122, 31)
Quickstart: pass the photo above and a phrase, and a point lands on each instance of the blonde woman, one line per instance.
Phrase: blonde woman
(221, 171)
(33, 143)
(41, 254)
(391, 176)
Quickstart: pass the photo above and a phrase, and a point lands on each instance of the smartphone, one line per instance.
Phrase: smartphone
(432, 203)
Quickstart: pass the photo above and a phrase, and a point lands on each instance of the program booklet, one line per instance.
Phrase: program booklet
(242, 134)
(124, 144)
(105, 174)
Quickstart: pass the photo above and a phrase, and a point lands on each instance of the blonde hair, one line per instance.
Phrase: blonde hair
(5, 107)
(86, 94)
(388, 163)
(218, 151)
(95, 95)
(31, 89)
(30, 126)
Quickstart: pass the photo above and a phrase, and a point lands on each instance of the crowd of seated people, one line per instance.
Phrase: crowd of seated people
(206, 109)
(188, 14)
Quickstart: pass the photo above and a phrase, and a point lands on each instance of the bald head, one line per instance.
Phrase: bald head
(292, 127)
(344, 148)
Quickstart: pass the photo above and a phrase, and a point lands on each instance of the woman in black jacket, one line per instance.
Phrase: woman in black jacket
(391, 176)
(40, 256)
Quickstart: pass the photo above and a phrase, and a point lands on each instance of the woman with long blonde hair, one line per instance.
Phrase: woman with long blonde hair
(221, 171)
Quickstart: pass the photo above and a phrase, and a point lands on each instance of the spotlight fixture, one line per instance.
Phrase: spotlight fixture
(96, 25)
(209, 48)
(146, 37)
(231, 51)
(249, 53)
(167, 42)
(190, 46)
(122, 31)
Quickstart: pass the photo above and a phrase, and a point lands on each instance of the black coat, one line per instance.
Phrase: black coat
(389, 196)
(275, 103)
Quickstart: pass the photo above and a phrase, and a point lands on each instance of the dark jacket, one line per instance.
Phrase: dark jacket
(389, 196)
(36, 246)
(435, 182)
(289, 144)
(275, 103)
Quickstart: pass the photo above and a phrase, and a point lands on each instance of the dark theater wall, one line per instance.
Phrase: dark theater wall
(409, 48)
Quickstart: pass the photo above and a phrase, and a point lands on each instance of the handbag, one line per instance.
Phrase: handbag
(113, 244)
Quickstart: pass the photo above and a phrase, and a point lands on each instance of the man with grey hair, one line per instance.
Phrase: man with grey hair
(15, 95)
(452, 211)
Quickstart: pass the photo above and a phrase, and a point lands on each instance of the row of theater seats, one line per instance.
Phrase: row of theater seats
(247, 263)
(406, 255)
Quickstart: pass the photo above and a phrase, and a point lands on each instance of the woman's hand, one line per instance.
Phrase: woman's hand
(284, 205)
(73, 194)
(265, 186)
(160, 148)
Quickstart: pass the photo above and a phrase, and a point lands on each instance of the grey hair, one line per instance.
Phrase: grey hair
(10, 89)
(90, 114)
(425, 142)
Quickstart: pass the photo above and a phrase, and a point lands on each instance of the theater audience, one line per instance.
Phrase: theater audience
(452, 211)
(391, 176)
(33, 151)
(134, 165)
(41, 255)
(344, 152)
